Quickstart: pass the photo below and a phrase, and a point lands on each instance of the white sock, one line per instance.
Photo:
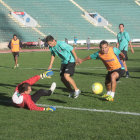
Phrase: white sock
(77, 90)
(108, 92)
(112, 94)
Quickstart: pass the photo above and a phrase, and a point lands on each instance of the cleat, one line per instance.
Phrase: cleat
(53, 86)
(109, 98)
(17, 65)
(71, 95)
(76, 93)
(105, 95)
(127, 76)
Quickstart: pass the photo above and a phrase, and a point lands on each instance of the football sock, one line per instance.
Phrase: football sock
(127, 73)
(112, 94)
(108, 92)
(77, 90)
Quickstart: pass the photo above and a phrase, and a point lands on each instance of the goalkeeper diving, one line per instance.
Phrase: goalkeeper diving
(22, 97)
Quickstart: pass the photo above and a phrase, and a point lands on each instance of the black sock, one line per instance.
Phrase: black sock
(127, 73)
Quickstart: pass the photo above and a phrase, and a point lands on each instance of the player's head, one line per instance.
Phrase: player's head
(15, 37)
(24, 88)
(121, 27)
(104, 46)
(50, 41)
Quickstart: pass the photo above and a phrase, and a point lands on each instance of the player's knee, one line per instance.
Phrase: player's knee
(114, 76)
(66, 76)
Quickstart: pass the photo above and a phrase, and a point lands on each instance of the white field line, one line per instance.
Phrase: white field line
(93, 110)
(86, 109)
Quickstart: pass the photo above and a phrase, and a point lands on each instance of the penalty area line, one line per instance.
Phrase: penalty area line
(93, 110)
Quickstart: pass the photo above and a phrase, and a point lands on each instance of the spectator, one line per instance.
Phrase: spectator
(88, 43)
(66, 40)
(75, 42)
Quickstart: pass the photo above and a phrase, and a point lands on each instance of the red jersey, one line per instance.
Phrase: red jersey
(23, 100)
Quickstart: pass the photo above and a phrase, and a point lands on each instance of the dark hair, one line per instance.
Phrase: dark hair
(14, 35)
(49, 38)
(121, 24)
(102, 43)
(23, 87)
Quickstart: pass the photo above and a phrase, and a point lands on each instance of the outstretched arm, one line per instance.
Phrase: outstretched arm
(84, 59)
(30, 81)
(51, 62)
(75, 56)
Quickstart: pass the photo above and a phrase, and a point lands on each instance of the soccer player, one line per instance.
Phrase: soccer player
(15, 45)
(68, 57)
(123, 41)
(23, 99)
(110, 58)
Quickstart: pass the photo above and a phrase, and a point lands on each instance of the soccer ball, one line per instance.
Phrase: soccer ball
(97, 88)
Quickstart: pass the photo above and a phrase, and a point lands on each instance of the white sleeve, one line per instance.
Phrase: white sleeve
(17, 99)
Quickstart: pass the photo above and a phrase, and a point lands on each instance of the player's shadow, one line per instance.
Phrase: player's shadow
(89, 94)
(134, 69)
(5, 100)
(92, 74)
(6, 67)
(6, 85)
(134, 77)
(57, 101)
(134, 60)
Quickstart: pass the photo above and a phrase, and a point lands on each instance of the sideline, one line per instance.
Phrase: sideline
(86, 109)
(93, 110)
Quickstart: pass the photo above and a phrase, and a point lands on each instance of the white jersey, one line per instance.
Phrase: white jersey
(17, 98)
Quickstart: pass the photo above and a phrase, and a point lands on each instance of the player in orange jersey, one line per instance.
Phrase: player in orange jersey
(15, 45)
(110, 58)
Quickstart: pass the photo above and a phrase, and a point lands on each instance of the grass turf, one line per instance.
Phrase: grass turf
(16, 123)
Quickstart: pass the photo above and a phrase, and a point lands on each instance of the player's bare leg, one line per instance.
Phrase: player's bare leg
(108, 85)
(126, 70)
(114, 76)
(108, 88)
(16, 61)
(66, 83)
(72, 82)
(125, 66)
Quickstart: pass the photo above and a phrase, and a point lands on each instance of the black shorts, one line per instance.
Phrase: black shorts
(67, 68)
(15, 54)
(120, 71)
(125, 53)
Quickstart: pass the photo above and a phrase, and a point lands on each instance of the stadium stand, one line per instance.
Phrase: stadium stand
(62, 19)
(116, 12)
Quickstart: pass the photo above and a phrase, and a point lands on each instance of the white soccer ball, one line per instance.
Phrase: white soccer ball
(97, 88)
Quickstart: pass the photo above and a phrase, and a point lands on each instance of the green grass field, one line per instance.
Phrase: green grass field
(68, 124)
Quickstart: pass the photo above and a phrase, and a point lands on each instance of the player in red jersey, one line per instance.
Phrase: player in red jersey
(23, 99)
